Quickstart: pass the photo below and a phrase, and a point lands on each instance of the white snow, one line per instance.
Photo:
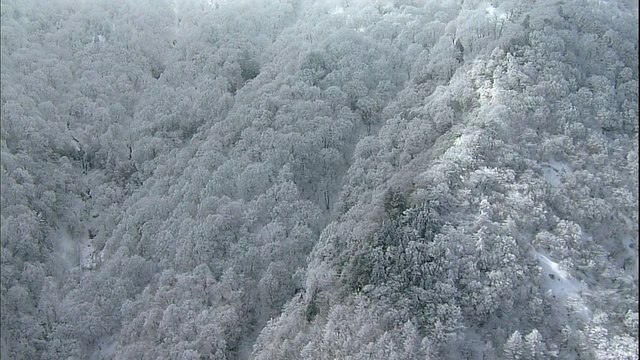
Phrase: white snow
(551, 176)
(494, 13)
(104, 348)
(75, 252)
(337, 10)
(628, 252)
(67, 247)
(87, 252)
(560, 166)
(558, 280)
(561, 285)
(553, 168)
(629, 245)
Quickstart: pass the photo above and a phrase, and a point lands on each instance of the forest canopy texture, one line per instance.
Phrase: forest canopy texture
(336, 179)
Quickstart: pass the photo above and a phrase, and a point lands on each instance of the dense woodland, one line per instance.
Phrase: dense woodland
(336, 179)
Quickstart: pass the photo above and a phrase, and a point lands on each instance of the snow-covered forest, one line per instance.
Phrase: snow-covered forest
(319, 179)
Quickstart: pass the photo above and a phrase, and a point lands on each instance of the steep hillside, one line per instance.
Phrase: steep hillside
(319, 179)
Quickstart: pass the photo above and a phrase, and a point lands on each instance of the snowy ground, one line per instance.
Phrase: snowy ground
(627, 258)
(105, 347)
(87, 254)
(553, 169)
(67, 246)
(556, 281)
(560, 285)
(75, 252)
(80, 253)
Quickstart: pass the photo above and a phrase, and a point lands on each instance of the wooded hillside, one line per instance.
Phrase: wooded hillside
(336, 179)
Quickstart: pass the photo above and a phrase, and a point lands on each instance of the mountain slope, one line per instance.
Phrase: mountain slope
(406, 179)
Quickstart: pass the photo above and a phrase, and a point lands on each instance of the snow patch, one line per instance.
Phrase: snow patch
(628, 258)
(629, 246)
(586, 237)
(556, 279)
(562, 286)
(87, 255)
(67, 247)
(494, 13)
(75, 252)
(337, 10)
(561, 166)
(553, 168)
(105, 348)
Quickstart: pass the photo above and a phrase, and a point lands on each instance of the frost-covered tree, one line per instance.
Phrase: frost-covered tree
(395, 179)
